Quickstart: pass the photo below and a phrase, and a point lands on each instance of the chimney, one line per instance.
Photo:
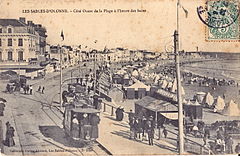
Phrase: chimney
(22, 19)
(29, 23)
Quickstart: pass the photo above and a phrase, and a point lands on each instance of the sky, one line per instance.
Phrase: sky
(151, 30)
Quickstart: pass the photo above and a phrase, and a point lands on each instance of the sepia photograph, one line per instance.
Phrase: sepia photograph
(119, 77)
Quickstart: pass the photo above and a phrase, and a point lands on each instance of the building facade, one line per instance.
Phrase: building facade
(20, 43)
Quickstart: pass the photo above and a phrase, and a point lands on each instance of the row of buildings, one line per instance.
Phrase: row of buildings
(23, 49)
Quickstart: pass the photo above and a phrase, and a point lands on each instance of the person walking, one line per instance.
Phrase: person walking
(144, 122)
(27, 89)
(11, 135)
(39, 89)
(150, 131)
(30, 89)
(229, 145)
(195, 130)
(43, 88)
(165, 132)
(132, 129)
(7, 136)
(204, 140)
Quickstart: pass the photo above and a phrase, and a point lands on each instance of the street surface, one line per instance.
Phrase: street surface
(37, 120)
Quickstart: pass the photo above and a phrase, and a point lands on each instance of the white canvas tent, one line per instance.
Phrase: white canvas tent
(135, 73)
(169, 85)
(139, 84)
(208, 100)
(174, 87)
(232, 109)
(164, 84)
(219, 104)
(121, 72)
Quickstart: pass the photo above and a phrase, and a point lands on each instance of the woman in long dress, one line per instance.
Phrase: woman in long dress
(75, 129)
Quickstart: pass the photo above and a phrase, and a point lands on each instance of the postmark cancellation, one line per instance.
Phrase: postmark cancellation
(221, 19)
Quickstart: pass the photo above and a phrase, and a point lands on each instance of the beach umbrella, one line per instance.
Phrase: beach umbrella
(3, 100)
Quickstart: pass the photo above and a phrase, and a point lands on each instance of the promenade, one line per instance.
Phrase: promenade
(114, 136)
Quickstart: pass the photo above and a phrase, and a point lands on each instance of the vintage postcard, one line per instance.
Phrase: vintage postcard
(119, 77)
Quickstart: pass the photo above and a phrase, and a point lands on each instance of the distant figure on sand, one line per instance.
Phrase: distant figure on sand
(43, 89)
(39, 89)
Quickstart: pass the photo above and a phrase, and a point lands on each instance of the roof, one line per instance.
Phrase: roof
(156, 105)
(21, 67)
(139, 84)
(85, 110)
(12, 22)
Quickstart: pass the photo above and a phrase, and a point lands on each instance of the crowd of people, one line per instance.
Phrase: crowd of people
(141, 128)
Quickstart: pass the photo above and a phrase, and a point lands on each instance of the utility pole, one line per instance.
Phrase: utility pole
(179, 95)
(60, 75)
(95, 72)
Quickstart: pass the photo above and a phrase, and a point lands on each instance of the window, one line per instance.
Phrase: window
(9, 42)
(9, 30)
(10, 57)
(20, 56)
(0, 30)
(20, 42)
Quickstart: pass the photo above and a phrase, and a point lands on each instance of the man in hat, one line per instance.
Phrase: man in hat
(130, 115)
(150, 131)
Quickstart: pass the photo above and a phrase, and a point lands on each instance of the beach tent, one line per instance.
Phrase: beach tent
(219, 104)
(200, 96)
(174, 86)
(169, 85)
(135, 73)
(208, 99)
(157, 77)
(232, 109)
(193, 110)
(137, 90)
(139, 84)
(121, 72)
(164, 84)
(182, 90)
(116, 94)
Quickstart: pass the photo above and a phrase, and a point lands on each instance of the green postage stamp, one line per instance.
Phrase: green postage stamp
(221, 18)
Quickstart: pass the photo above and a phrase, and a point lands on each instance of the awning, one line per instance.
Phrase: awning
(172, 116)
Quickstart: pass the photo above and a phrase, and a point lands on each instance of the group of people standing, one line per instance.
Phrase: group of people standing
(28, 89)
(141, 128)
